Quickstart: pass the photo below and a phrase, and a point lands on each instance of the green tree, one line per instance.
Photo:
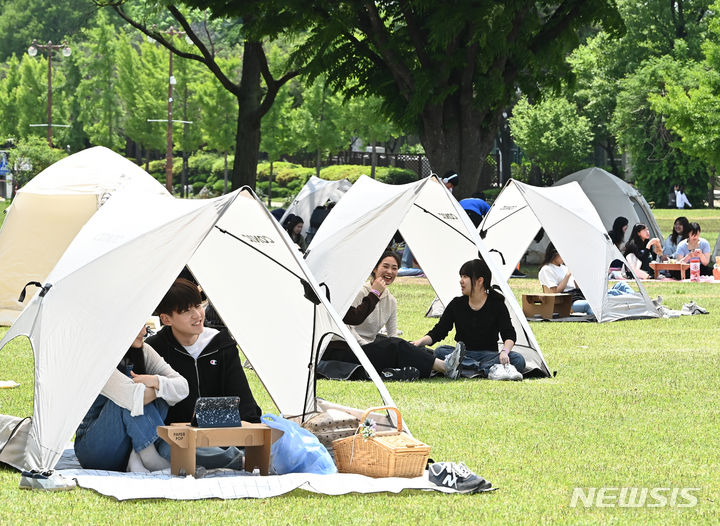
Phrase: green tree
(22, 21)
(280, 134)
(9, 83)
(30, 157)
(97, 93)
(552, 134)
(254, 98)
(369, 121)
(445, 70)
(319, 116)
(218, 131)
(31, 97)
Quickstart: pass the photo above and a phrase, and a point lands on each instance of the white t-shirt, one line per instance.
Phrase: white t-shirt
(551, 275)
(205, 336)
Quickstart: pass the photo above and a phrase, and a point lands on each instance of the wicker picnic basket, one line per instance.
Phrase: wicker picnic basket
(387, 454)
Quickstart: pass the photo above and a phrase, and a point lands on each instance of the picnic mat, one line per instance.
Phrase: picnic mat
(229, 484)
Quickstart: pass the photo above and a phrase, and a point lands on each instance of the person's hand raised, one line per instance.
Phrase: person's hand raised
(379, 285)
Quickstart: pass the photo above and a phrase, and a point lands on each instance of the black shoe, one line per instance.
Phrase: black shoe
(404, 374)
(517, 274)
(456, 476)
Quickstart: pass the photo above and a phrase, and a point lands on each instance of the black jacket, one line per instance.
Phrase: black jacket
(217, 372)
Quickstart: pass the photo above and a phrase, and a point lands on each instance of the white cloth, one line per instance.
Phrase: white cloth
(383, 315)
(124, 392)
(196, 348)
(551, 275)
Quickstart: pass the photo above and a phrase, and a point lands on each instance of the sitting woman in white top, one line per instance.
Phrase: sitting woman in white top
(556, 278)
(119, 431)
(695, 246)
(375, 308)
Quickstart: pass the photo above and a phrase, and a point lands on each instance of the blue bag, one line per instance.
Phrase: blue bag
(297, 450)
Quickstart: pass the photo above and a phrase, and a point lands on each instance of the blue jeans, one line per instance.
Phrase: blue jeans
(482, 361)
(618, 289)
(108, 432)
(407, 258)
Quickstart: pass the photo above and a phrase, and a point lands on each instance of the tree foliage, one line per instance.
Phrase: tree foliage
(552, 134)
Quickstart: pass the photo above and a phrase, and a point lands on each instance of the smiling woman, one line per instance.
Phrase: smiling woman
(374, 308)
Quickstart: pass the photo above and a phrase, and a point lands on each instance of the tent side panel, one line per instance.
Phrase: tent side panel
(35, 234)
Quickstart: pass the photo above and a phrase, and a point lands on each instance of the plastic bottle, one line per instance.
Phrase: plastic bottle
(716, 269)
(695, 269)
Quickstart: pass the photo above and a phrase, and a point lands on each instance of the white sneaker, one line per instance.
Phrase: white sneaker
(498, 372)
(512, 373)
(453, 361)
(46, 481)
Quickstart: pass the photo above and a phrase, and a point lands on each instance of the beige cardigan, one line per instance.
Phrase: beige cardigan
(124, 392)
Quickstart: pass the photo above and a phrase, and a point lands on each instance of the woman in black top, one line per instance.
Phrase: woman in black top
(479, 316)
(640, 251)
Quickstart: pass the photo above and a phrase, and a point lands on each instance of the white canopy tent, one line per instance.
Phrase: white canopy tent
(48, 212)
(360, 226)
(573, 225)
(114, 274)
(316, 192)
(612, 197)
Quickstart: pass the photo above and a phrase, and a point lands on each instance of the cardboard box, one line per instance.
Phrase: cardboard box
(184, 439)
(546, 305)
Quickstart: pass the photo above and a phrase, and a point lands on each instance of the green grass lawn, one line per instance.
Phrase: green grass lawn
(634, 404)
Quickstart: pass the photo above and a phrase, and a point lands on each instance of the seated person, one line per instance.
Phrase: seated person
(555, 278)
(695, 246)
(375, 308)
(681, 229)
(479, 316)
(208, 358)
(293, 225)
(640, 251)
(119, 430)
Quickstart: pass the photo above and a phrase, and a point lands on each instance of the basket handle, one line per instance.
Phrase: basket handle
(381, 408)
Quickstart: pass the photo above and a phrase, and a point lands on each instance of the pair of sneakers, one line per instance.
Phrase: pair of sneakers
(453, 361)
(504, 372)
(457, 476)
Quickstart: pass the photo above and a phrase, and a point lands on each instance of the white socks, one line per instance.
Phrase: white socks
(146, 460)
(152, 460)
(135, 464)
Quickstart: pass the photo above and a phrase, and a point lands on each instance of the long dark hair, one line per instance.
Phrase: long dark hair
(635, 243)
(476, 269)
(290, 223)
(550, 253)
(685, 233)
(617, 235)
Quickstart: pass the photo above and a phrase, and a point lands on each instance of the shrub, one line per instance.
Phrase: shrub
(392, 175)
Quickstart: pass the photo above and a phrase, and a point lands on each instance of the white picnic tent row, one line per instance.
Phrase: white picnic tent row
(114, 273)
(573, 225)
(48, 212)
(316, 192)
(360, 226)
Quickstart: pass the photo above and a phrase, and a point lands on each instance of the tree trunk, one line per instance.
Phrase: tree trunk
(455, 137)
(247, 139)
(373, 159)
(270, 181)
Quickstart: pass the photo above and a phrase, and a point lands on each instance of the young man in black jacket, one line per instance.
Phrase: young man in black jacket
(206, 357)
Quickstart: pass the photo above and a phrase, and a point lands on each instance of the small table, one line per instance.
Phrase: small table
(682, 267)
(184, 439)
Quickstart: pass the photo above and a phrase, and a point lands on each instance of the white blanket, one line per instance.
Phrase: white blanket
(229, 484)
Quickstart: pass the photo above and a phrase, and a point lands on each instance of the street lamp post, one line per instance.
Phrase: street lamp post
(49, 47)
